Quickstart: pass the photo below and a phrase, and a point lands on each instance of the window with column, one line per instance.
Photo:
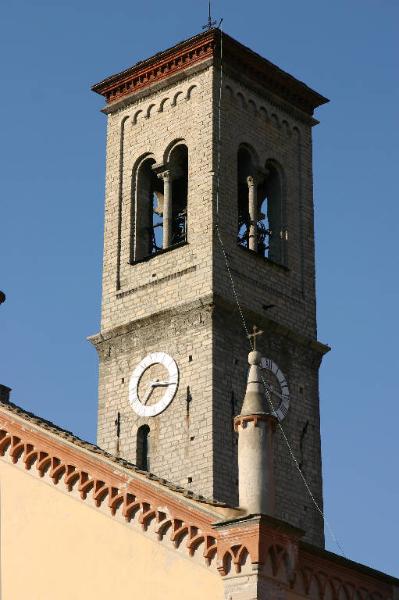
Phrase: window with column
(261, 222)
(178, 165)
(160, 205)
(148, 211)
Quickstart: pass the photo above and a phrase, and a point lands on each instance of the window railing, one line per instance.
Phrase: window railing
(179, 233)
(264, 236)
(179, 228)
(269, 242)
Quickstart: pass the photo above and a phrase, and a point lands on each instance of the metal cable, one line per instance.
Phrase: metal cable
(236, 298)
(316, 504)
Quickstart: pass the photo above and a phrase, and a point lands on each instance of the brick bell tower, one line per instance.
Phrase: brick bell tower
(172, 347)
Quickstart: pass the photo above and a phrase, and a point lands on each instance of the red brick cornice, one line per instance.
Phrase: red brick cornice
(157, 68)
(275, 548)
(202, 529)
(237, 58)
(334, 574)
(263, 538)
(243, 420)
(124, 494)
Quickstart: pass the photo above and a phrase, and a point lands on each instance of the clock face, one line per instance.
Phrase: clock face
(277, 385)
(153, 384)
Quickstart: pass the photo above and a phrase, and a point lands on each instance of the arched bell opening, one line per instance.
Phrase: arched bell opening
(178, 169)
(261, 224)
(148, 238)
(272, 232)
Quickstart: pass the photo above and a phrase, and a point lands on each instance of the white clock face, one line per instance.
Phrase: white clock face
(153, 384)
(277, 385)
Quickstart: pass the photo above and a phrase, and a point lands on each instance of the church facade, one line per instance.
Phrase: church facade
(208, 416)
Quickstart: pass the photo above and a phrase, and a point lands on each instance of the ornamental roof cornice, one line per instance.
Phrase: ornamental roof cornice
(203, 47)
(211, 531)
(156, 68)
(110, 484)
(55, 435)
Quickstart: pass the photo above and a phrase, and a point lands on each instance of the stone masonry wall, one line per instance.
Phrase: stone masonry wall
(155, 305)
(274, 134)
(277, 134)
(302, 424)
(150, 126)
(180, 438)
(181, 302)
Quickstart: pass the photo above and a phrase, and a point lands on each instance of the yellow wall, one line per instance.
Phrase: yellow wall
(55, 547)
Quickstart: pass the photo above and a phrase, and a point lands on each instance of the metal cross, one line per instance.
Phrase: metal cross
(254, 335)
(211, 24)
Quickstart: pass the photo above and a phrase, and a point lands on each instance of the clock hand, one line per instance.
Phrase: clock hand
(148, 394)
(157, 383)
(152, 385)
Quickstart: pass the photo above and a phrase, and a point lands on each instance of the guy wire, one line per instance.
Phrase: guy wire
(236, 298)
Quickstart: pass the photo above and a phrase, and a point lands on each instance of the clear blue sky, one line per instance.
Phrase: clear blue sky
(51, 220)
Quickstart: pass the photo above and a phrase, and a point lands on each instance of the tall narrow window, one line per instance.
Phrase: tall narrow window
(271, 230)
(178, 162)
(260, 208)
(244, 170)
(148, 211)
(160, 207)
(143, 448)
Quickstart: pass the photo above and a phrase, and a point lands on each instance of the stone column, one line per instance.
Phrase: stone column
(255, 427)
(253, 214)
(255, 463)
(167, 209)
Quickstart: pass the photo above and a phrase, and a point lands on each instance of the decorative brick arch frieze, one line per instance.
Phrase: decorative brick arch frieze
(181, 524)
(235, 557)
(270, 114)
(276, 553)
(218, 536)
(280, 563)
(172, 99)
(206, 48)
(323, 576)
(153, 71)
(270, 551)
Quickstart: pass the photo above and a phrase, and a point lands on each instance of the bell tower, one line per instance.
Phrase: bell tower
(208, 231)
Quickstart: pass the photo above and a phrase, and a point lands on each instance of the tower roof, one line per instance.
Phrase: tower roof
(254, 401)
(203, 47)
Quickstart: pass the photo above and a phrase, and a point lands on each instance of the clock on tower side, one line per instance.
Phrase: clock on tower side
(157, 270)
(266, 224)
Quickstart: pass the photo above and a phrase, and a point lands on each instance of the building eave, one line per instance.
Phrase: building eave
(346, 563)
(199, 48)
(76, 444)
(212, 532)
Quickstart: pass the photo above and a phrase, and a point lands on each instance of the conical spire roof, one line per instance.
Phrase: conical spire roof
(255, 401)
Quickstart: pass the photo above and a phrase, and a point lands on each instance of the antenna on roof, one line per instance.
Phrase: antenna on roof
(211, 23)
